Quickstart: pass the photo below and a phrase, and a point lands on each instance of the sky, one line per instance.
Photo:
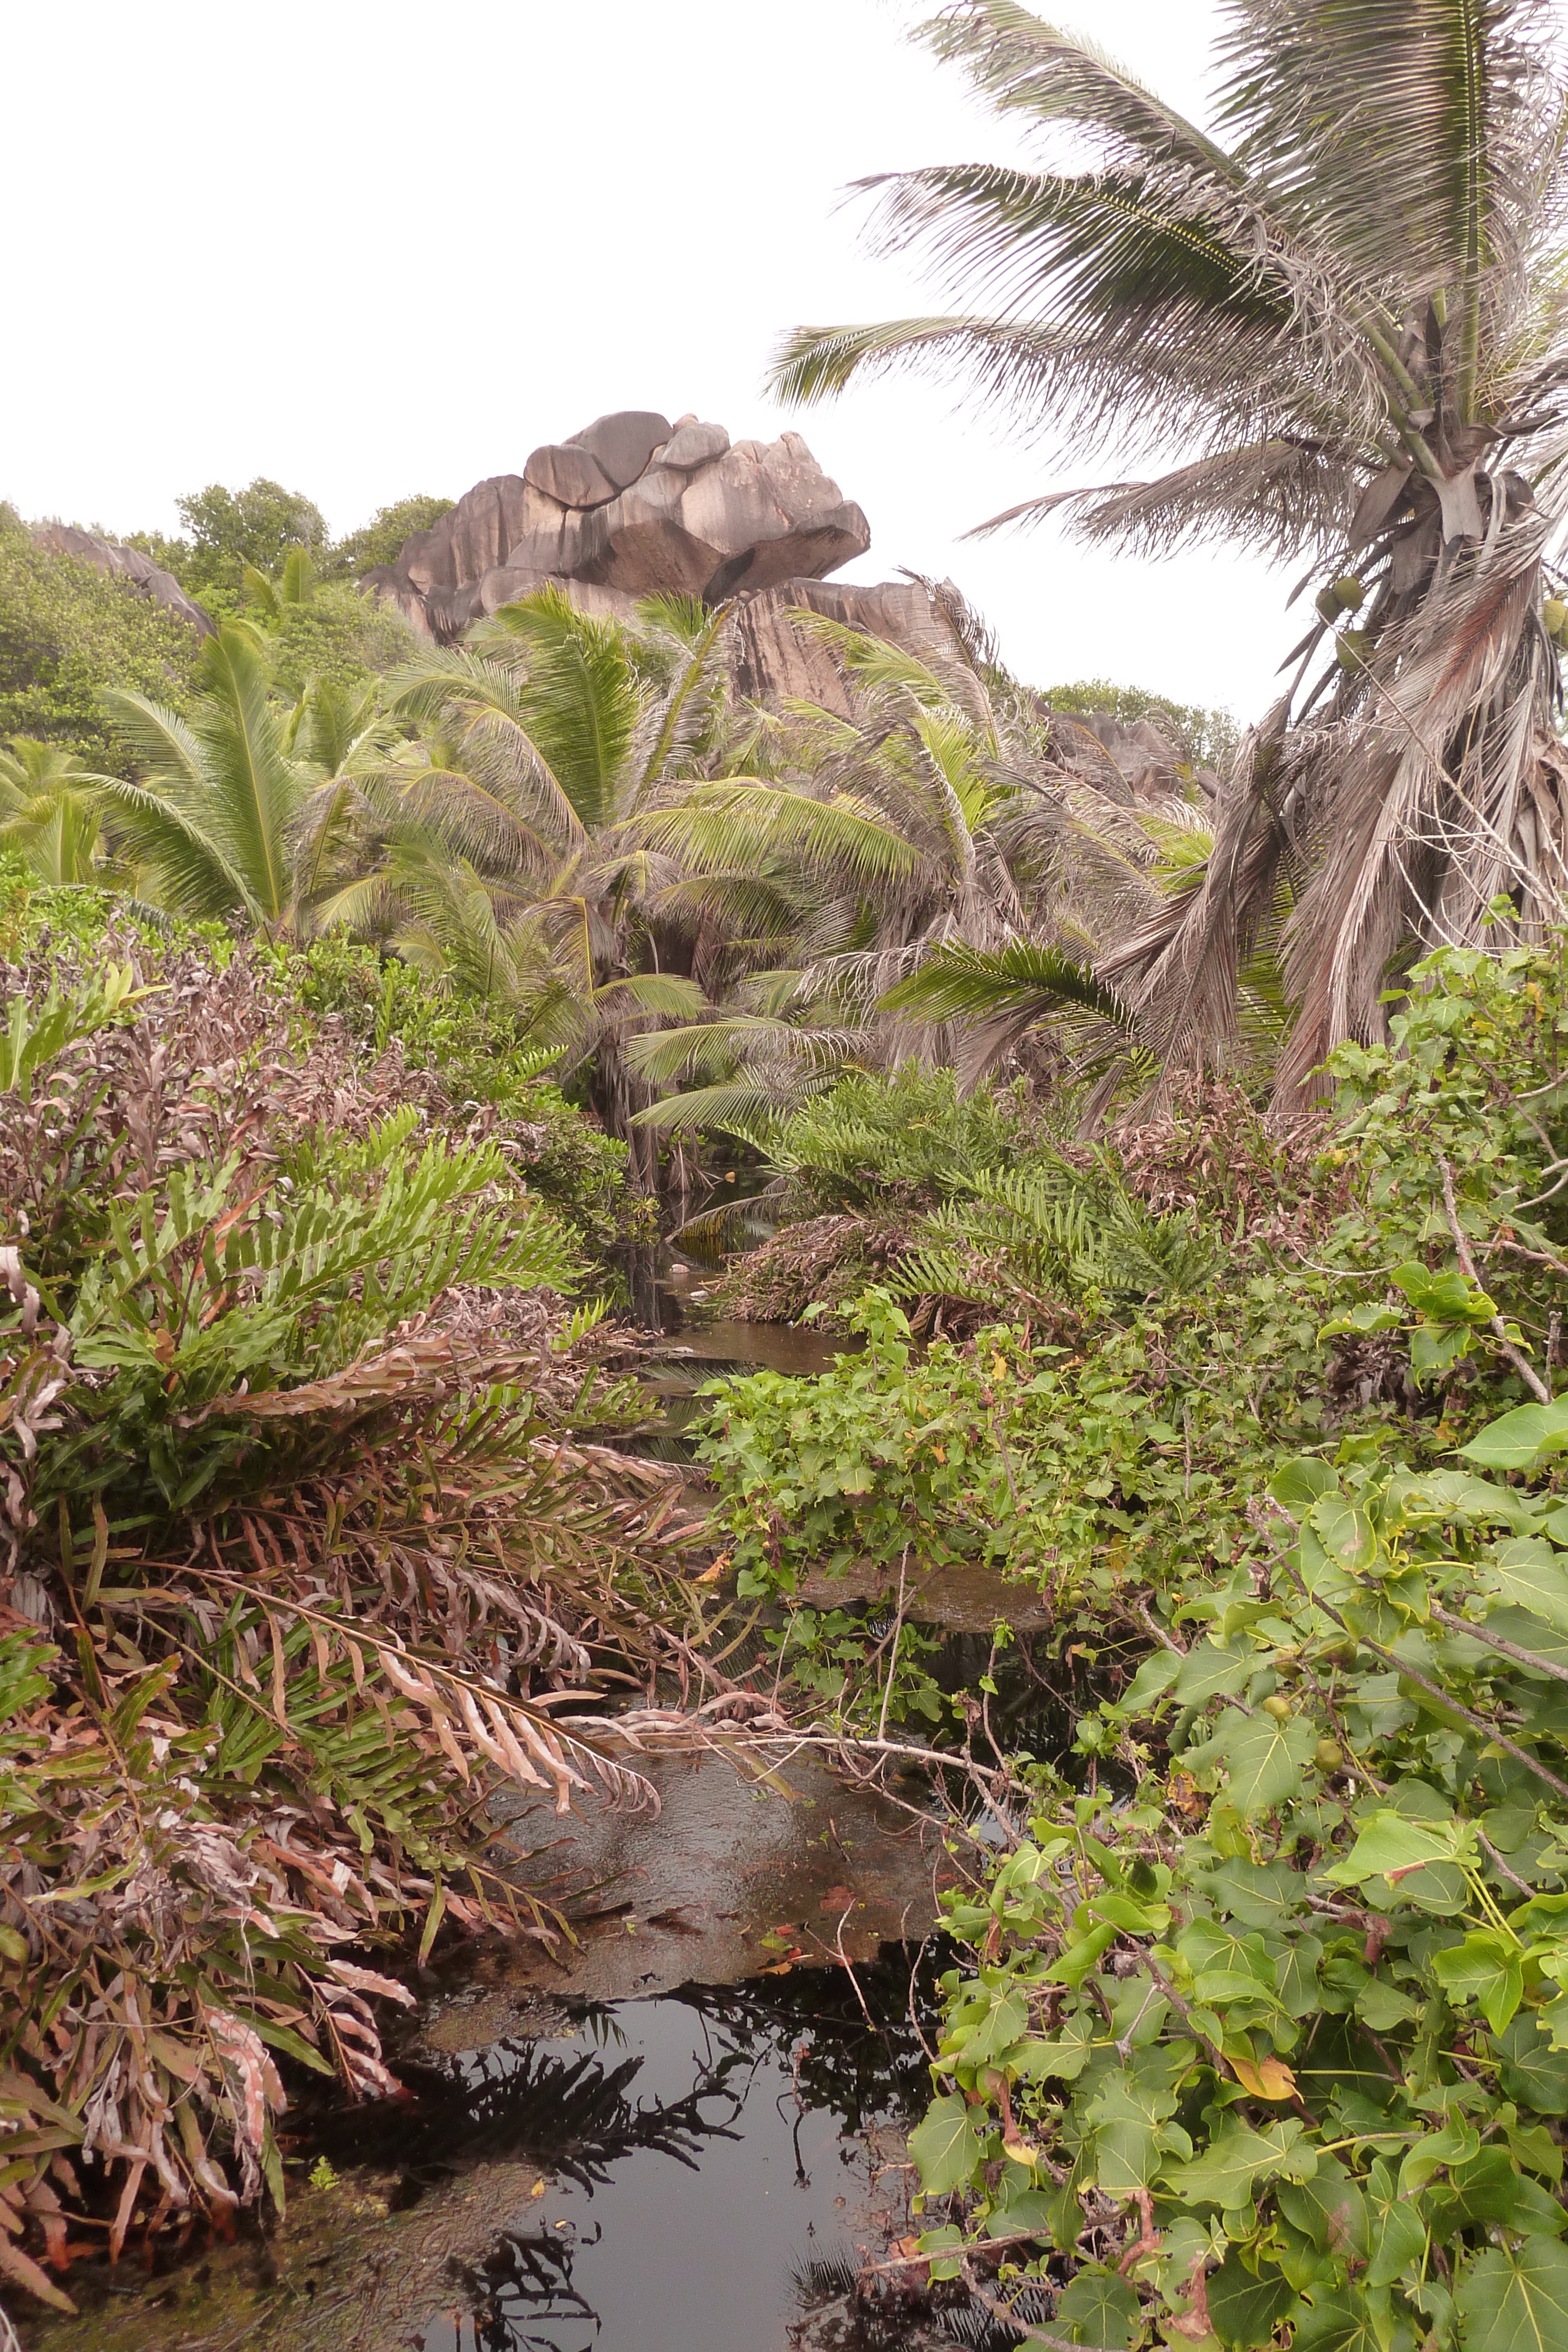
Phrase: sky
(369, 249)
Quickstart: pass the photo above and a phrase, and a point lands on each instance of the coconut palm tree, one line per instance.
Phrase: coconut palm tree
(496, 844)
(949, 823)
(50, 814)
(1339, 325)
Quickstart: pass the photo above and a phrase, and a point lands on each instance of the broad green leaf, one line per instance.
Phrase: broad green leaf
(1149, 1685)
(1078, 1958)
(1383, 2006)
(1398, 2238)
(1267, 1760)
(1345, 1532)
(1518, 1440)
(1099, 2308)
(1486, 1968)
(1224, 2174)
(1339, 2320)
(1297, 1485)
(1134, 1919)
(1209, 1671)
(1007, 2023)
(1532, 2073)
(1444, 1298)
(1329, 2208)
(1259, 1894)
(1516, 2301)
(1528, 1571)
(945, 2146)
(1065, 2057)
(1456, 1494)
(1128, 2156)
(1527, 1631)
(1245, 2310)
(1026, 2209)
(1490, 2189)
(1297, 1973)
(1389, 1844)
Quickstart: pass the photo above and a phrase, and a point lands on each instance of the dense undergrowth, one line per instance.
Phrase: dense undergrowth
(1262, 2033)
(301, 1529)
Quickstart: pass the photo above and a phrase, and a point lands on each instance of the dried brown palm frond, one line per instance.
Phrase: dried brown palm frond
(296, 1566)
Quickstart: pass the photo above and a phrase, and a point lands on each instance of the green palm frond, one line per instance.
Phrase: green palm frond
(580, 701)
(481, 703)
(688, 708)
(961, 983)
(652, 991)
(186, 863)
(742, 823)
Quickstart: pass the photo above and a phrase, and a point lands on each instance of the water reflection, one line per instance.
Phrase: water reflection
(721, 2163)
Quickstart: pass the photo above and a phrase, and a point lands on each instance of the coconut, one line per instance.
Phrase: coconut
(1326, 605)
(1555, 612)
(1351, 649)
(1348, 592)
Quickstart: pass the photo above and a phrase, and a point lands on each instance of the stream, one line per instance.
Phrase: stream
(686, 2132)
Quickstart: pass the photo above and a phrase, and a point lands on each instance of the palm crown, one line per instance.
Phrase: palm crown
(1346, 326)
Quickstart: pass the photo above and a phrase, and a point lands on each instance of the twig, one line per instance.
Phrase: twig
(1520, 1363)
(1435, 1690)
(1498, 1863)
(999, 2310)
(1495, 1641)
(849, 1970)
(950, 2254)
(1146, 1616)
(892, 1656)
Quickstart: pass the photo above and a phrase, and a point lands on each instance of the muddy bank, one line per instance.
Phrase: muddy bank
(745, 1869)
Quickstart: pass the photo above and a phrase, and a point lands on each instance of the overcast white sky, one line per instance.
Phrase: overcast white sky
(369, 248)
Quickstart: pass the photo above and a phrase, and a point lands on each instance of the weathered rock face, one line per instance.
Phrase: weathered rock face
(126, 563)
(631, 505)
(775, 658)
(1147, 763)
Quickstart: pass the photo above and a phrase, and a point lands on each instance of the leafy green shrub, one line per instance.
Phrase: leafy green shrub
(380, 539)
(1207, 737)
(909, 1134)
(1268, 2025)
(228, 530)
(337, 636)
(67, 632)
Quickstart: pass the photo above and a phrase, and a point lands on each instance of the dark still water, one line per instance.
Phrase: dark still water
(704, 2193)
(717, 2165)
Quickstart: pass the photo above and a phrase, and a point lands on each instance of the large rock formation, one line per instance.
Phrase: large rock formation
(776, 659)
(127, 563)
(628, 506)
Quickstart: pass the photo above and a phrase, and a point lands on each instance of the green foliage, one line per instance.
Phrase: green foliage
(909, 1135)
(231, 529)
(1277, 1964)
(475, 1047)
(968, 1197)
(279, 1393)
(66, 633)
(335, 637)
(380, 539)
